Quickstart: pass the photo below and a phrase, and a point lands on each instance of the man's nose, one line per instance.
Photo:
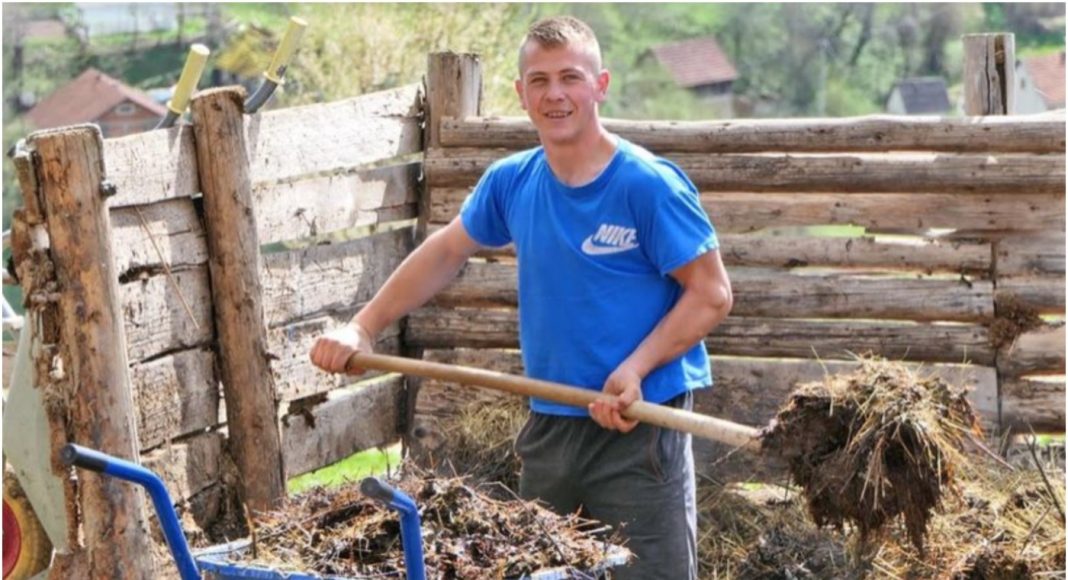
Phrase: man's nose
(555, 92)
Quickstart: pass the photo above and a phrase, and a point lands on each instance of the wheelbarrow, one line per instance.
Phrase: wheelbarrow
(214, 563)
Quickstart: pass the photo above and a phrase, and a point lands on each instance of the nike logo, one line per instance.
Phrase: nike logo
(610, 239)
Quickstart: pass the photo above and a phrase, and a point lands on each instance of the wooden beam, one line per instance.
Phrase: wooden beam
(739, 212)
(155, 315)
(1037, 352)
(353, 419)
(152, 238)
(152, 166)
(300, 284)
(319, 205)
(297, 142)
(1044, 294)
(989, 74)
(774, 293)
(1033, 403)
(1018, 134)
(237, 296)
(189, 466)
(1031, 254)
(297, 377)
(758, 249)
(453, 89)
(93, 345)
(175, 395)
(817, 173)
(435, 328)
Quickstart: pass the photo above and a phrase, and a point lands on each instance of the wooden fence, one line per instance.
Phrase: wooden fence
(805, 303)
(226, 270)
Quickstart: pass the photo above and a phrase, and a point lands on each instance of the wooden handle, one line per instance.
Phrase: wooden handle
(720, 430)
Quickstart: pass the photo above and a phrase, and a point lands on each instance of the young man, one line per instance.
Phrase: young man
(620, 278)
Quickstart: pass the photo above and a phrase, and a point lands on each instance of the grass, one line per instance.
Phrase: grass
(352, 468)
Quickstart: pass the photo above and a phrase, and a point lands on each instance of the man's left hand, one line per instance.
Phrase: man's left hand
(626, 385)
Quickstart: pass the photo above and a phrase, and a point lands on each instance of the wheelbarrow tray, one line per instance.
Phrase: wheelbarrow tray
(215, 563)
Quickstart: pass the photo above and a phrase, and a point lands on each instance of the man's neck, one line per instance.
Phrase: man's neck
(579, 163)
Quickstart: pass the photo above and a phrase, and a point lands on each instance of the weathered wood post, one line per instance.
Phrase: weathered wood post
(234, 255)
(91, 356)
(453, 89)
(989, 74)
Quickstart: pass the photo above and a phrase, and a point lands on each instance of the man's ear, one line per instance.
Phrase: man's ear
(603, 80)
(519, 92)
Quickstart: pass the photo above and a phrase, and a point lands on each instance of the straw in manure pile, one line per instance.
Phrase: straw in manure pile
(874, 444)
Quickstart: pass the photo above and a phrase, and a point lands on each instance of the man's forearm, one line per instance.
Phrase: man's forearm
(425, 271)
(689, 321)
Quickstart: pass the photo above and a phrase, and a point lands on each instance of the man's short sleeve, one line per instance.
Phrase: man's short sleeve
(483, 212)
(678, 229)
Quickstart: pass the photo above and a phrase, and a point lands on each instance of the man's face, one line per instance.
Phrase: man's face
(560, 89)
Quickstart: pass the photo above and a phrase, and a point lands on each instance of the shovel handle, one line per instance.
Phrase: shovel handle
(727, 432)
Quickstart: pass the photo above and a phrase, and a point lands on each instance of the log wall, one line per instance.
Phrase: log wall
(809, 298)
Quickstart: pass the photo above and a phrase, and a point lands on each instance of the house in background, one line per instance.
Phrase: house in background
(701, 66)
(94, 97)
(1040, 83)
(919, 96)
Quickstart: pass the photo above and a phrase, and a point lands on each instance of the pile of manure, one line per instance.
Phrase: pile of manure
(868, 446)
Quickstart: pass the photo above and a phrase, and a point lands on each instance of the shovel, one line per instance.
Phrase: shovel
(732, 434)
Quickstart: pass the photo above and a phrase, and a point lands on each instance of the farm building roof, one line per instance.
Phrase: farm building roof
(86, 99)
(1047, 72)
(696, 62)
(924, 95)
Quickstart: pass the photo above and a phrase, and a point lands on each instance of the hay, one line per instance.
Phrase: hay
(873, 444)
(1003, 525)
(479, 442)
(466, 534)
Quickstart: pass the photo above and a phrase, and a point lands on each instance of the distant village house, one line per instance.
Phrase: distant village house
(701, 66)
(1040, 83)
(94, 97)
(919, 96)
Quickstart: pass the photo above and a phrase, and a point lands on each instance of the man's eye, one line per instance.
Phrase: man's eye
(537, 81)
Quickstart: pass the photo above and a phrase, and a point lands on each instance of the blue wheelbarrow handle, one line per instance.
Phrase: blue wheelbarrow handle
(168, 520)
(411, 531)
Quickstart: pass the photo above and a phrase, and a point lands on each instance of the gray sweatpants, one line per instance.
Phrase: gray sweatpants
(641, 483)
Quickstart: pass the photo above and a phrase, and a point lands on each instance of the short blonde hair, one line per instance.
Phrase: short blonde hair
(557, 31)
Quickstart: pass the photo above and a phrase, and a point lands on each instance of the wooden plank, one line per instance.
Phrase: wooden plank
(746, 212)
(774, 293)
(173, 227)
(303, 141)
(353, 419)
(175, 395)
(152, 166)
(1033, 254)
(1036, 403)
(435, 328)
(295, 375)
(1039, 351)
(155, 319)
(323, 204)
(1044, 294)
(853, 134)
(816, 173)
(189, 466)
(305, 283)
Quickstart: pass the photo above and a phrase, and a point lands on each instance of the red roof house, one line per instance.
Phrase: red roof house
(697, 63)
(94, 97)
(1046, 76)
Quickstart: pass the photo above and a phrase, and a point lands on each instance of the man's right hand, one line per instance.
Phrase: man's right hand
(332, 350)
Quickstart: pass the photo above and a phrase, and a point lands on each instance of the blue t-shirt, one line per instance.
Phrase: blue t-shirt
(594, 264)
